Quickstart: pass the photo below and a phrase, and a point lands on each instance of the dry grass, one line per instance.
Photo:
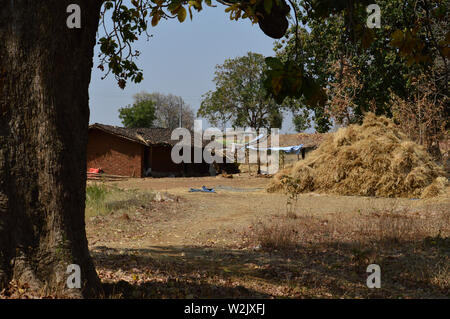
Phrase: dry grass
(412, 248)
(372, 159)
(306, 255)
(104, 198)
(436, 188)
(319, 249)
(387, 226)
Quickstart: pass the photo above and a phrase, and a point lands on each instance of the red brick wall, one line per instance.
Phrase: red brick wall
(161, 160)
(115, 155)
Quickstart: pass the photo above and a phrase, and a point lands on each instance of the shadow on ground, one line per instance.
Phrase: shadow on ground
(328, 270)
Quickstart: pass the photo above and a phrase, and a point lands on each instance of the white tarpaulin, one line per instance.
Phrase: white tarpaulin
(287, 149)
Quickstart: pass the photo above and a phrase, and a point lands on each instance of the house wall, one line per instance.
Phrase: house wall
(161, 160)
(114, 155)
(119, 156)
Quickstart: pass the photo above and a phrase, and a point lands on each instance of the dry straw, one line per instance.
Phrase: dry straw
(372, 159)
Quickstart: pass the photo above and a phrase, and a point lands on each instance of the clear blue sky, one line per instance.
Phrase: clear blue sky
(180, 59)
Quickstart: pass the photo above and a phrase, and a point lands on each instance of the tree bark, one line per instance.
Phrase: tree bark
(45, 71)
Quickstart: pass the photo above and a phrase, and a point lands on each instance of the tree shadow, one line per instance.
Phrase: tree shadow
(328, 269)
(170, 272)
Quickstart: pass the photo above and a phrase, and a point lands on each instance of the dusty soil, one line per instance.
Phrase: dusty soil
(215, 218)
(192, 245)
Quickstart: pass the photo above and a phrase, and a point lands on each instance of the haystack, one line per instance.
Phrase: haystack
(372, 159)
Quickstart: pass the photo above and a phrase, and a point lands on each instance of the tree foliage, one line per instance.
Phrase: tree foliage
(413, 40)
(421, 116)
(167, 110)
(413, 37)
(140, 114)
(240, 97)
(301, 120)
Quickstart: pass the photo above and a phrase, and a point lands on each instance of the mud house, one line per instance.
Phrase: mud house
(136, 152)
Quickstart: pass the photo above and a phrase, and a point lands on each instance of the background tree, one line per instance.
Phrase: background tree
(240, 96)
(301, 120)
(343, 93)
(167, 110)
(421, 116)
(413, 40)
(140, 114)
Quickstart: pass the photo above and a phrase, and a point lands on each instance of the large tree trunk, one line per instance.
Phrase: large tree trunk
(45, 70)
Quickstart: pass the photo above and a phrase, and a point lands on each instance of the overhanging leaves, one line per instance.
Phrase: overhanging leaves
(288, 79)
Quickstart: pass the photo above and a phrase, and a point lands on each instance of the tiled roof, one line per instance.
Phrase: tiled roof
(149, 136)
(146, 136)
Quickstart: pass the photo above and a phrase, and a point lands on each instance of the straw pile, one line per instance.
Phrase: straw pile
(372, 159)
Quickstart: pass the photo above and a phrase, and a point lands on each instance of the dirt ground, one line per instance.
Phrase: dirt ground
(197, 218)
(195, 245)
